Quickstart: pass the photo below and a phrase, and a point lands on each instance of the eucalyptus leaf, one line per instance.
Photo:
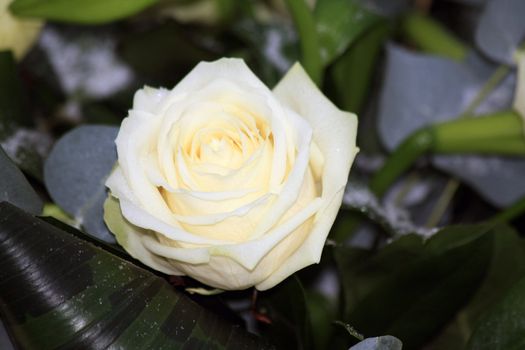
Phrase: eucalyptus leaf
(79, 11)
(339, 23)
(14, 187)
(415, 88)
(5, 341)
(501, 29)
(389, 216)
(286, 307)
(390, 292)
(75, 173)
(503, 328)
(59, 291)
(385, 342)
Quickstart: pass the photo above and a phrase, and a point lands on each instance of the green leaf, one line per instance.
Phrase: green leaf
(75, 173)
(339, 23)
(432, 37)
(411, 288)
(321, 312)
(309, 39)
(353, 71)
(285, 306)
(506, 268)
(57, 290)
(79, 11)
(503, 328)
(385, 342)
(14, 187)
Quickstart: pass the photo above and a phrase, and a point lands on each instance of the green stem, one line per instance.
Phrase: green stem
(403, 157)
(497, 133)
(494, 80)
(442, 203)
(511, 212)
(432, 37)
(310, 48)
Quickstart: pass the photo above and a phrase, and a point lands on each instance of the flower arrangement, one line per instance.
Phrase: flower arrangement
(288, 174)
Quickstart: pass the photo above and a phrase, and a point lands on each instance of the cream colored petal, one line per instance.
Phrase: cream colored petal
(335, 135)
(229, 69)
(148, 99)
(289, 193)
(129, 237)
(215, 196)
(310, 251)
(132, 212)
(250, 253)
(141, 218)
(185, 255)
(154, 174)
(334, 131)
(136, 138)
(118, 186)
(212, 219)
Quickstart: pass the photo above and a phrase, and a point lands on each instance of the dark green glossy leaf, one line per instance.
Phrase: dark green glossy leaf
(285, 306)
(79, 11)
(339, 23)
(14, 187)
(385, 342)
(59, 291)
(506, 268)
(503, 328)
(75, 173)
(411, 288)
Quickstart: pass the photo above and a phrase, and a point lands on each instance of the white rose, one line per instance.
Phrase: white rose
(228, 182)
(16, 34)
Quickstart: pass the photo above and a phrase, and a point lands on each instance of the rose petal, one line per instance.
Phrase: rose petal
(129, 237)
(249, 254)
(335, 134)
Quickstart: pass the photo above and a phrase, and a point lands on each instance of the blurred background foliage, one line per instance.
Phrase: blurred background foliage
(428, 246)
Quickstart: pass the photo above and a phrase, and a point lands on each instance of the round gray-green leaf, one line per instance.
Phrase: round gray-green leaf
(421, 90)
(501, 28)
(14, 187)
(385, 342)
(75, 173)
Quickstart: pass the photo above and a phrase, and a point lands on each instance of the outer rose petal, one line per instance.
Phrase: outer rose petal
(129, 237)
(335, 133)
